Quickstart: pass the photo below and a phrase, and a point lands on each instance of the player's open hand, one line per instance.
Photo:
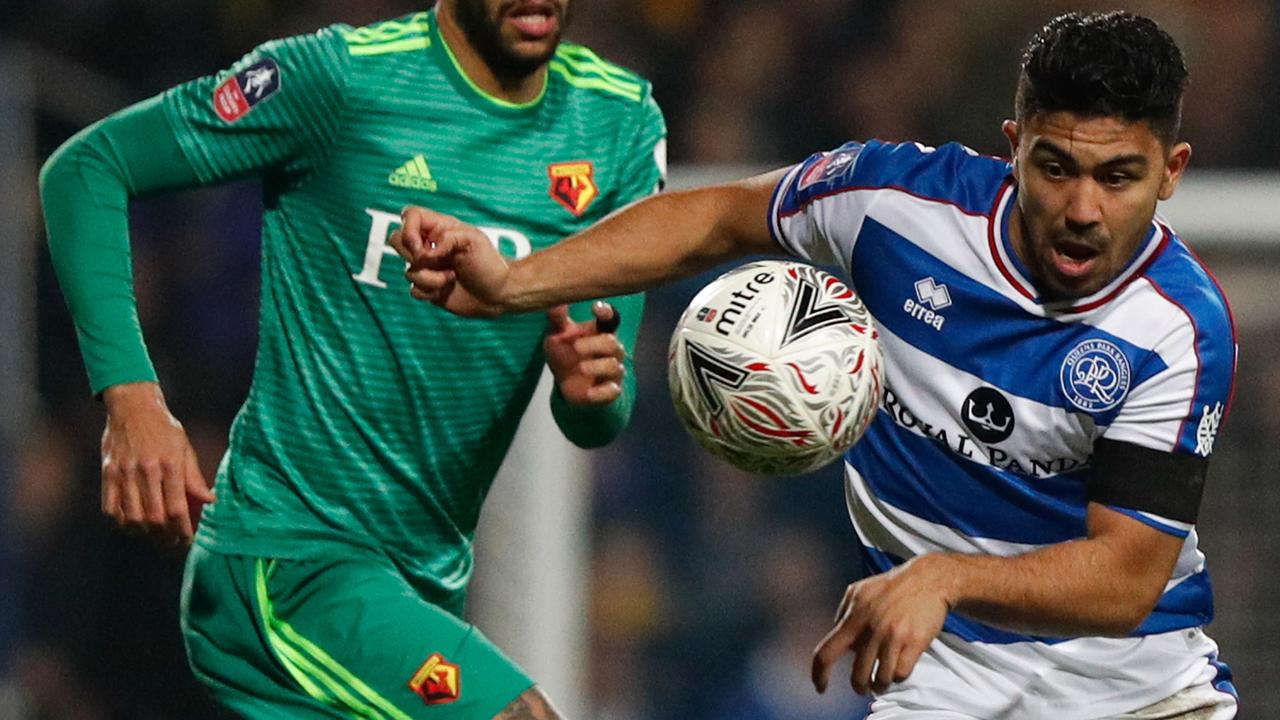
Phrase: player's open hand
(451, 264)
(585, 358)
(151, 480)
(887, 621)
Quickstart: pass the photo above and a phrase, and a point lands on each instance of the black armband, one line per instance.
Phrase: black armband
(1138, 478)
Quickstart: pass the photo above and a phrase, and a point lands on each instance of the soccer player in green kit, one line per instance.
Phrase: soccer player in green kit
(328, 578)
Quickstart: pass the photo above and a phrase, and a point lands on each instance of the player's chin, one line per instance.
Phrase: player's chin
(529, 54)
(531, 57)
(1068, 288)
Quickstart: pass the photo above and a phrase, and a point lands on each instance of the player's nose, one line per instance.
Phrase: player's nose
(1084, 205)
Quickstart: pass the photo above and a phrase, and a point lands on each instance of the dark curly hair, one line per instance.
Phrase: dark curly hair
(1104, 64)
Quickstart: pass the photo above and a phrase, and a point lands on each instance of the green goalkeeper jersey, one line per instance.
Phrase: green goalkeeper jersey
(376, 422)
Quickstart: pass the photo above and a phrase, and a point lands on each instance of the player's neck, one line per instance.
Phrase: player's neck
(513, 90)
(1017, 234)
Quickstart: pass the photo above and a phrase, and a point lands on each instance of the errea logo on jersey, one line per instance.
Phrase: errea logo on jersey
(929, 294)
(414, 175)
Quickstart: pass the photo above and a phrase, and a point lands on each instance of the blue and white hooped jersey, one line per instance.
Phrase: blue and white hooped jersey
(993, 402)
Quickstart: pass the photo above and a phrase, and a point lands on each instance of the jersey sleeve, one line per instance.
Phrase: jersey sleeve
(814, 214)
(1171, 420)
(276, 109)
(1180, 407)
(85, 188)
(645, 165)
(596, 426)
(279, 108)
(818, 208)
(644, 173)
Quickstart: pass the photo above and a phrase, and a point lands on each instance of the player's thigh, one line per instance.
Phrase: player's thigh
(226, 646)
(356, 636)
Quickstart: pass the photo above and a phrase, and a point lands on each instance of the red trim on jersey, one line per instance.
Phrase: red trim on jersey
(1022, 285)
(1141, 271)
(1195, 346)
(1231, 320)
(993, 218)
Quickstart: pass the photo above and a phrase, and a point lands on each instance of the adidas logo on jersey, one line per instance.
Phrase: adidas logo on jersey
(414, 175)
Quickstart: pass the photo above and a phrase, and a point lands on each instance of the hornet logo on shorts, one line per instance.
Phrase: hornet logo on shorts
(438, 681)
(573, 185)
(1095, 376)
(238, 94)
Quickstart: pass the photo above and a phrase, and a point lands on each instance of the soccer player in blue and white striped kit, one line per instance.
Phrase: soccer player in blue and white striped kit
(1058, 365)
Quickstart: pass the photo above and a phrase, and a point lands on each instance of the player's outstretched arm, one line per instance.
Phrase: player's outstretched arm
(650, 242)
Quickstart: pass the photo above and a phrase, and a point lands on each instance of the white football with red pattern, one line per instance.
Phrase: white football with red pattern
(776, 367)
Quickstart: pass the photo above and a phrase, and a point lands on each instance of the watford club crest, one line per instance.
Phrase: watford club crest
(573, 185)
(438, 681)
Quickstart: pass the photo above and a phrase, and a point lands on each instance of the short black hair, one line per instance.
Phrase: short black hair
(1113, 64)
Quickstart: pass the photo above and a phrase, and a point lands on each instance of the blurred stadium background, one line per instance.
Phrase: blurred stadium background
(646, 581)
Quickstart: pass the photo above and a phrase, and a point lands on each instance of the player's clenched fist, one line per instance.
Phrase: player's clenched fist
(451, 263)
(151, 480)
(586, 359)
(887, 621)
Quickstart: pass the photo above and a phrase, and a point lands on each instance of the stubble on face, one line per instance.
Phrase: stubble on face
(515, 38)
(1088, 189)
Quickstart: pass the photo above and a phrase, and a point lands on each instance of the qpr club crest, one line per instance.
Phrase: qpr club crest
(1095, 376)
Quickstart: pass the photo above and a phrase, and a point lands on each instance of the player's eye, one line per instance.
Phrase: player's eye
(1117, 179)
(1054, 171)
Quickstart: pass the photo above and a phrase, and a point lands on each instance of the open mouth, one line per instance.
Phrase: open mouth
(533, 20)
(1073, 259)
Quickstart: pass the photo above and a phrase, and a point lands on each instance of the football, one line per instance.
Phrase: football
(776, 367)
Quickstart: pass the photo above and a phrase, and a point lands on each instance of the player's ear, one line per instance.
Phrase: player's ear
(1011, 132)
(1174, 165)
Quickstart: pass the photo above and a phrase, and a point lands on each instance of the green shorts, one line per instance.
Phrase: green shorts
(335, 638)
